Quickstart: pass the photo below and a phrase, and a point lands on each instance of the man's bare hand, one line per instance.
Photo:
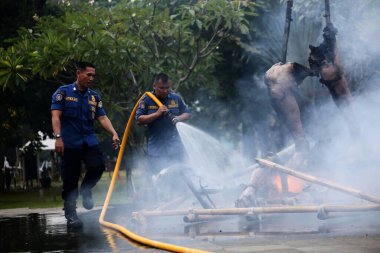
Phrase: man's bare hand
(115, 142)
(59, 146)
(162, 110)
(175, 120)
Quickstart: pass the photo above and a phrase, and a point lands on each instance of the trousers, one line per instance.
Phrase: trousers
(71, 168)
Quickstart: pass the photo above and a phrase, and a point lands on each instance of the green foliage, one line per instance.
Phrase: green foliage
(129, 42)
(12, 70)
(14, 14)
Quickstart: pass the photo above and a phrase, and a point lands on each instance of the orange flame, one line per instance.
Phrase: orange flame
(295, 185)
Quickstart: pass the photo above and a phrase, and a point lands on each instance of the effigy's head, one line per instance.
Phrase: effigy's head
(300, 72)
(316, 58)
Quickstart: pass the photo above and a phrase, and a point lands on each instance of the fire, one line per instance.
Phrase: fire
(295, 185)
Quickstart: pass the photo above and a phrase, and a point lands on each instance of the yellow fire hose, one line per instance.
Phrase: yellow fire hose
(121, 229)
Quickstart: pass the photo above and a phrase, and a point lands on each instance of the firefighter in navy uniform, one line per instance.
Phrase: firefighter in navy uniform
(164, 145)
(74, 109)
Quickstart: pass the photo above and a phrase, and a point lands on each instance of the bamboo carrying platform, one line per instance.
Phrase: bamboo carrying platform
(198, 214)
(195, 215)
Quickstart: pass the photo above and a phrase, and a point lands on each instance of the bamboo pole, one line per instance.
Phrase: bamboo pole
(281, 154)
(313, 179)
(288, 19)
(327, 12)
(261, 210)
(160, 213)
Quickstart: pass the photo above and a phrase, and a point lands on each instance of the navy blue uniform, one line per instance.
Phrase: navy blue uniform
(78, 114)
(79, 111)
(164, 143)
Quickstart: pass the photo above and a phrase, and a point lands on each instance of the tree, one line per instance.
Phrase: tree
(22, 13)
(18, 107)
(128, 42)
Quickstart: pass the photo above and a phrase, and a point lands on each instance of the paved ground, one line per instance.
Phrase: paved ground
(44, 230)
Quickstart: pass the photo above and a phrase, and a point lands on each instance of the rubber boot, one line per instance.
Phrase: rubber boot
(71, 215)
(87, 200)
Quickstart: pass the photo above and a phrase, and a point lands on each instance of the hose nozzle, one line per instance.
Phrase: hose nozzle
(171, 117)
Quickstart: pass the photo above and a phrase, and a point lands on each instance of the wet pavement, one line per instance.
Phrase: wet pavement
(44, 230)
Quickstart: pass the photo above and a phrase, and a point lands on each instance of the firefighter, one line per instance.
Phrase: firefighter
(165, 147)
(74, 109)
(164, 144)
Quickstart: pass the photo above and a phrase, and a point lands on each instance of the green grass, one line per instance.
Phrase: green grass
(49, 198)
(31, 198)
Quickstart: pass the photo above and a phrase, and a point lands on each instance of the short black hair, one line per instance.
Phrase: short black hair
(161, 76)
(82, 65)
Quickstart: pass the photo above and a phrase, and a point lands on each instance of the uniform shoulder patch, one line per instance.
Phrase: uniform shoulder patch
(100, 104)
(58, 97)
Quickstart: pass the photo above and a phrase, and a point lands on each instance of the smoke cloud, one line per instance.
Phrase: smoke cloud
(350, 140)
(347, 144)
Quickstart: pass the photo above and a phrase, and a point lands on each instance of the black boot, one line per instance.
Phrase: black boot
(87, 201)
(71, 215)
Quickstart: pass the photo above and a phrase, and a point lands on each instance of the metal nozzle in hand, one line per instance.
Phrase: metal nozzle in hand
(172, 117)
(116, 144)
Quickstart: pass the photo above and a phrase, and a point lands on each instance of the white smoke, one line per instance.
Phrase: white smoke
(348, 157)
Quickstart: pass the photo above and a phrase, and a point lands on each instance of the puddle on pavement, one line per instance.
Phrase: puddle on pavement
(38, 232)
